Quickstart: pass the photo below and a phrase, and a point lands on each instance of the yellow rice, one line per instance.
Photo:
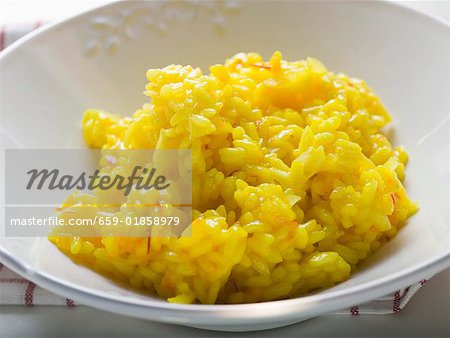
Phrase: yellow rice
(293, 182)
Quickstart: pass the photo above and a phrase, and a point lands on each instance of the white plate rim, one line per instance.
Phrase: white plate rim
(227, 314)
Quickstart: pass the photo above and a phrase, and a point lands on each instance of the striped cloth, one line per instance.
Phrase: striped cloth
(11, 33)
(15, 290)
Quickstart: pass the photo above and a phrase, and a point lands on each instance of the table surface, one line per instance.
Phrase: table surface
(427, 314)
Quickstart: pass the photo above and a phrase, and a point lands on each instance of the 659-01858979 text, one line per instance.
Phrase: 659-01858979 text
(97, 220)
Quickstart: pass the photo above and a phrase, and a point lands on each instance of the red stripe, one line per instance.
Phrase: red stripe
(70, 302)
(1, 266)
(354, 311)
(13, 280)
(396, 305)
(423, 282)
(29, 294)
(2, 38)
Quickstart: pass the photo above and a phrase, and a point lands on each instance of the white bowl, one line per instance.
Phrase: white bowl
(99, 59)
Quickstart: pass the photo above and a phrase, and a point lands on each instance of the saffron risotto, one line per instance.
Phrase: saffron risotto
(293, 182)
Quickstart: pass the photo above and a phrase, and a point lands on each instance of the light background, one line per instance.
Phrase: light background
(23, 11)
(427, 314)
